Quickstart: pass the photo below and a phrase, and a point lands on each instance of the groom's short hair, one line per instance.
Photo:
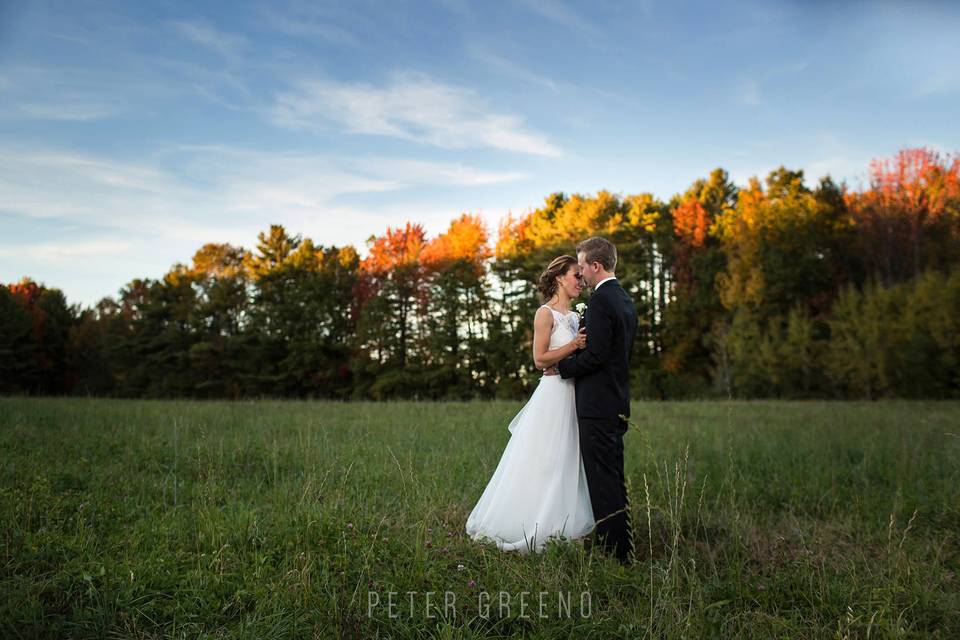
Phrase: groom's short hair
(597, 249)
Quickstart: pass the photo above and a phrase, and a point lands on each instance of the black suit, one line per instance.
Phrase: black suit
(602, 373)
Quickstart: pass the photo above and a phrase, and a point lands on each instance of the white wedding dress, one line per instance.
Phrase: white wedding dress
(539, 489)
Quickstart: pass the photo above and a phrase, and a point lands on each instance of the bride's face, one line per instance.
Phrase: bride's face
(571, 282)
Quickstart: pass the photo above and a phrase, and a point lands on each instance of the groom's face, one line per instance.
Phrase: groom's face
(587, 271)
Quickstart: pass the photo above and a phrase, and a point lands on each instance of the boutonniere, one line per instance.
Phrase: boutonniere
(581, 309)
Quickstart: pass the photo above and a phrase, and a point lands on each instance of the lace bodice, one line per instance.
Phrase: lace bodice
(564, 328)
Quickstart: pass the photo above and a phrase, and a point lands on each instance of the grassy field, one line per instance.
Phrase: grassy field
(291, 519)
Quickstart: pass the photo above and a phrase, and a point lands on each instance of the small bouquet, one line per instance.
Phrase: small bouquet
(581, 312)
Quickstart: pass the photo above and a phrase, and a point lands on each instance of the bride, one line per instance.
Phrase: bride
(539, 488)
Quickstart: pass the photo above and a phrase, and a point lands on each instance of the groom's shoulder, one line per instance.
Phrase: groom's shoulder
(617, 295)
(613, 290)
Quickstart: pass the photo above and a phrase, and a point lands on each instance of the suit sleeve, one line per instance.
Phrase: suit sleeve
(599, 343)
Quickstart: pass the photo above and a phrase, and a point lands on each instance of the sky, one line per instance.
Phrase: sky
(132, 133)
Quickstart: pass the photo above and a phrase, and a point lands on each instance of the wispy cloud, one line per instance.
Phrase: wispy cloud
(411, 106)
(76, 110)
(561, 14)
(40, 93)
(922, 58)
(307, 26)
(510, 68)
(194, 192)
(64, 251)
(134, 219)
(749, 92)
(461, 8)
(225, 44)
(419, 173)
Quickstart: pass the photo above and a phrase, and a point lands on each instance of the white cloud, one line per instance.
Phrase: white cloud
(412, 107)
(418, 172)
(213, 191)
(135, 219)
(64, 251)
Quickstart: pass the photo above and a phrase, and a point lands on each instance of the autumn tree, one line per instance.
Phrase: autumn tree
(695, 258)
(18, 366)
(38, 358)
(391, 293)
(221, 356)
(908, 220)
(454, 324)
(770, 289)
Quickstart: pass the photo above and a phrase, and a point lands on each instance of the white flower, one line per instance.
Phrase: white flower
(581, 308)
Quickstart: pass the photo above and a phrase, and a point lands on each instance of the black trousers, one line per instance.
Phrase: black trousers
(601, 447)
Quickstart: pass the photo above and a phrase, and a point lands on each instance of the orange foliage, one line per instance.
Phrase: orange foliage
(909, 218)
(915, 180)
(690, 222)
(218, 260)
(27, 294)
(465, 240)
(563, 221)
(512, 237)
(396, 248)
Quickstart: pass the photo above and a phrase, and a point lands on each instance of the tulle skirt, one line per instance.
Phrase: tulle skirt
(539, 489)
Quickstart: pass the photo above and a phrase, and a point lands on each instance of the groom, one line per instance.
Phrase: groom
(602, 376)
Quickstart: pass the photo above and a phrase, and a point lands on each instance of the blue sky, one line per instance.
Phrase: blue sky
(131, 133)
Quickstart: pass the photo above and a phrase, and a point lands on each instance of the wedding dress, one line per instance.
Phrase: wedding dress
(539, 488)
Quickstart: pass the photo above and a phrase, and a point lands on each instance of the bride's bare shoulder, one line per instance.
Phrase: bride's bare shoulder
(543, 316)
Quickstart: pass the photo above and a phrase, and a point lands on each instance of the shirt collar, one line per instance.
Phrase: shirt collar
(604, 280)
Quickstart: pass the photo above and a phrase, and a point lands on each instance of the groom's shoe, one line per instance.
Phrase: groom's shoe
(624, 557)
(590, 542)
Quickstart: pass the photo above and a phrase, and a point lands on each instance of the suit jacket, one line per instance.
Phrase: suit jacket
(602, 368)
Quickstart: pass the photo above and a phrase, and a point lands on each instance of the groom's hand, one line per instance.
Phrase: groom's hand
(551, 371)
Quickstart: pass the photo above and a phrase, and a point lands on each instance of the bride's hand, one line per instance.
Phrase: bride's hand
(581, 340)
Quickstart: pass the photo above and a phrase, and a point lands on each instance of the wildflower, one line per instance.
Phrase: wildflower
(349, 525)
(472, 584)
(460, 567)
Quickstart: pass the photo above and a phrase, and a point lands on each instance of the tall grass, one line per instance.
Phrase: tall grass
(280, 519)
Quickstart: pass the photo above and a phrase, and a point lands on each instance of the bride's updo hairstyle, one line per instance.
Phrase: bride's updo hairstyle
(547, 284)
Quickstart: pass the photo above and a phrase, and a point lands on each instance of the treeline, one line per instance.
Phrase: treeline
(773, 289)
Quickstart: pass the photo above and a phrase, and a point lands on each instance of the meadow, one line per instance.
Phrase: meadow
(270, 519)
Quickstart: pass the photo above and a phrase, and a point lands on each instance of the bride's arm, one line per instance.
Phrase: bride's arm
(542, 326)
